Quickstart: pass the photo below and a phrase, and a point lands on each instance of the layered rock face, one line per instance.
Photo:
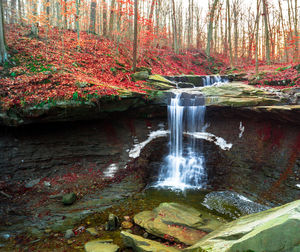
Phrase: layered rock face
(264, 160)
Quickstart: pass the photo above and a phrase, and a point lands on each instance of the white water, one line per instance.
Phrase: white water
(184, 167)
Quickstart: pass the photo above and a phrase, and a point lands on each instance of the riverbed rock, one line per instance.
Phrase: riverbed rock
(32, 183)
(140, 244)
(113, 223)
(69, 234)
(177, 222)
(92, 231)
(69, 199)
(101, 246)
(231, 204)
(276, 229)
(127, 224)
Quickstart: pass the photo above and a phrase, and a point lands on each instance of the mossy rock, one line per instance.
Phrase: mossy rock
(69, 199)
(143, 75)
(159, 78)
(276, 229)
(149, 70)
(185, 224)
(140, 244)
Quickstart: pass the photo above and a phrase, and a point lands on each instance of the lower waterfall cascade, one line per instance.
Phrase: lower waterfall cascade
(184, 166)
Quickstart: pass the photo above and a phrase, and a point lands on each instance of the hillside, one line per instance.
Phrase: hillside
(53, 68)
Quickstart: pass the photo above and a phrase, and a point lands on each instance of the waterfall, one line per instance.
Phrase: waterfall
(184, 166)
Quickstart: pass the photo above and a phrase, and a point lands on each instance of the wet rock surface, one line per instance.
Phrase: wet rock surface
(178, 222)
(141, 244)
(272, 230)
(231, 204)
(42, 164)
(101, 246)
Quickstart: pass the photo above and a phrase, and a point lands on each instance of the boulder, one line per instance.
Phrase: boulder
(126, 224)
(113, 223)
(101, 246)
(69, 199)
(177, 222)
(159, 78)
(276, 229)
(143, 75)
(69, 234)
(92, 231)
(139, 244)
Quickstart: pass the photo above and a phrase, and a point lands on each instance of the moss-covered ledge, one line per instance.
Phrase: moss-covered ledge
(78, 110)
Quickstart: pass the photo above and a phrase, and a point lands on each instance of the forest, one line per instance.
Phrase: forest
(149, 125)
(102, 42)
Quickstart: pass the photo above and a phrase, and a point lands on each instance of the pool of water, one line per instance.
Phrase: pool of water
(146, 200)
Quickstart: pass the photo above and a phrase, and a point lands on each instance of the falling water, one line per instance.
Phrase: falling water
(184, 167)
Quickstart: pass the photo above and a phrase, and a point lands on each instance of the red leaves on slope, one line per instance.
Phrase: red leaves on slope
(52, 68)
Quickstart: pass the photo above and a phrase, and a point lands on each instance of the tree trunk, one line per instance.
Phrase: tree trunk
(48, 11)
(229, 33)
(119, 25)
(236, 35)
(111, 18)
(13, 8)
(256, 39)
(77, 21)
(267, 34)
(150, 25)
(93, 17)
(104, 18)
(135, 39)
(65, 15)
(226, 35)
(3, 51)
(20, 12)
(297, 39)
(174, 27)
(210, 27)
(35, 24)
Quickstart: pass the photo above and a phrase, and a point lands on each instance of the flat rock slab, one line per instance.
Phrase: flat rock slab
(141, 244)
(173, 221)
(276, 229)
(100, 246)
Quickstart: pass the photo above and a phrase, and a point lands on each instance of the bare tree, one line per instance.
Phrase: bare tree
(13, 8)
(210, 27)
(104, 6)
(175, 35)
(267, 34)
(77, 20)
(35, 23)
(111, 17)
(256, 39)
(135, 40)
(20, 5)
(93, 17)
(229, 32)
(3, 51)
(236, 13)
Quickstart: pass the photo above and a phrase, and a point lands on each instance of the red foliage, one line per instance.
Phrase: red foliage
(53, 68)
